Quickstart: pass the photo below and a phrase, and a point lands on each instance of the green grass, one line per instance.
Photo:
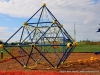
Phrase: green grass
(82, 47)
(86, 49)
(4, 50)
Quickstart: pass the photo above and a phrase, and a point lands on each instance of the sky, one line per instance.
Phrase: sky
(84, 13)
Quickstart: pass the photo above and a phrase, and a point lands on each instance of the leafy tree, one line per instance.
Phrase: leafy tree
(1, 42)
(13, 43)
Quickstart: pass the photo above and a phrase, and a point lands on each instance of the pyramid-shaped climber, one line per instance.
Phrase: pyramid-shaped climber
(41, 39)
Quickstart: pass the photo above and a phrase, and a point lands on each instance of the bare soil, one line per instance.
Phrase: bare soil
(70, 65)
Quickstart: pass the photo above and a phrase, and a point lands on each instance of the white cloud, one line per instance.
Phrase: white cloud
(84, 12)
(6, 33)
(3, 33)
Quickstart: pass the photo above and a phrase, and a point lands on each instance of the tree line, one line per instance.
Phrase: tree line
(13, 43)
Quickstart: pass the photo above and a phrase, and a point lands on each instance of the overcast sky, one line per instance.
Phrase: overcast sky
(85, 14)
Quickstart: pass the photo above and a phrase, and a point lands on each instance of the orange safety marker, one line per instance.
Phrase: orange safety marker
(85, 61)
(95, 59)
(55, 43)
(80, 61)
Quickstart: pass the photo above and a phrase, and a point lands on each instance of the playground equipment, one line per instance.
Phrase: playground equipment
(88, 61)
(98, 51)
(41, 39)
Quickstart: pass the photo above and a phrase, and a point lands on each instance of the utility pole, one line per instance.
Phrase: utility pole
(74, 32)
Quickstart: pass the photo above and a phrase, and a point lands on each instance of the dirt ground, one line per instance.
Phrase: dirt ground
(71, 64)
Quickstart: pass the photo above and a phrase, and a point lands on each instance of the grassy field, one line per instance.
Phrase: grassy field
(82, 47)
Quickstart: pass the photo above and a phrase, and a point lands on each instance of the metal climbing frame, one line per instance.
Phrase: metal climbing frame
(46, 35)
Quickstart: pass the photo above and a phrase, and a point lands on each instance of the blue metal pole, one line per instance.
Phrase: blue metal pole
(21, 54)
(68, 34)
(53, 37)
(27, 36)
(39, 22)
(63, 32)
(13, 35)
(57, 54)
(45, 51)
(45, 58)
(13, 56)
(59, 23)
(67, 55)
(35, 44)
(43, 34)
(41, 26)
(34, 14)
(56, 35)
(29, 56)
(40, 16)
(53, 17)
(51, 14)
(31, 26)
(62, 58)
(22, 34)
(33, 35)
(63, 46)
(43, 37)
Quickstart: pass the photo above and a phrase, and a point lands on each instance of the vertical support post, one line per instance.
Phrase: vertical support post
(22, 56)
(22, 33)
(40, 16)
(29, 35)
(29, 56)
(56, 35)
(33, 35)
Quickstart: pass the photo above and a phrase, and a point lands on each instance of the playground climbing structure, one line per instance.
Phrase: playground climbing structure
(38, 37)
